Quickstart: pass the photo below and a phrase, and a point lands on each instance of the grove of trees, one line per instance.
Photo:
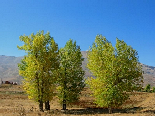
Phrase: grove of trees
(49, 71)
(45, 67)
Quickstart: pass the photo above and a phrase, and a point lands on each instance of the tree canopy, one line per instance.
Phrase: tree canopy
(39, 67)
(117, 71)
(71, 79)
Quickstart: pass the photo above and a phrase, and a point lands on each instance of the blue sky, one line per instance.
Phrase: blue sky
(130, 20)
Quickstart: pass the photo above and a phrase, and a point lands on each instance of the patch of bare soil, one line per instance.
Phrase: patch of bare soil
(14, 102)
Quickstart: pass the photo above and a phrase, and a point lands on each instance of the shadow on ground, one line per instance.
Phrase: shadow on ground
(150, 111)
(99, 111)
(91, 111)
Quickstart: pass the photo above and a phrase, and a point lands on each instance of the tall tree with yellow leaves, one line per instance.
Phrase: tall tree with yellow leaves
(39, 67)
(117, 71)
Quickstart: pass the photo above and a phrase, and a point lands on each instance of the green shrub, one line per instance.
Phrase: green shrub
(153, 89)
(147, 88)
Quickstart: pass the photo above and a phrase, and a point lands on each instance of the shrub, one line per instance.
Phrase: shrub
(153, 89)
(147, 88)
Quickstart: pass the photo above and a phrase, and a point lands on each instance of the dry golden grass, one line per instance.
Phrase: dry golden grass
(13, 102)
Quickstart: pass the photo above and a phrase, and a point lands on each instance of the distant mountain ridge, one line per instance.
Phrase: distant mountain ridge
(9, 69)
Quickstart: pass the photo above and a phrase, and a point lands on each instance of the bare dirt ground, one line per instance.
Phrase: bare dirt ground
(14, 102)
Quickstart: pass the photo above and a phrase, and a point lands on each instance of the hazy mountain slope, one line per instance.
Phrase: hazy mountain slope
(9, 69)
(149, 74)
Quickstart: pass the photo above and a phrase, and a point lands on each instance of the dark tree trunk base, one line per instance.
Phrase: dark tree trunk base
(47, 105)
(110, 110)
(64, 107)
(41, 106)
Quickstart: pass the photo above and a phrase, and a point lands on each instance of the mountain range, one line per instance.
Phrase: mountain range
(9, 70)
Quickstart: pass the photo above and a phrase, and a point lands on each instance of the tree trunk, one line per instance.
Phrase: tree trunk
(41, 95)
(41, 106)
(110, 110)
(64, 97)
(64, 100)
(40, 100)
(47, 105)
(64, 105)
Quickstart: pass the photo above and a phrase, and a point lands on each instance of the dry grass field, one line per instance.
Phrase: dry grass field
(13, 102)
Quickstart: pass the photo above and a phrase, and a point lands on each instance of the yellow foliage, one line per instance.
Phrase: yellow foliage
(116, 70)
(39, 66)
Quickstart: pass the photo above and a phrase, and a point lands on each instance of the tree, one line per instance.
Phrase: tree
(117, 71)
(39, 67)
(153, 89)
(148, 88)
(71, 79)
